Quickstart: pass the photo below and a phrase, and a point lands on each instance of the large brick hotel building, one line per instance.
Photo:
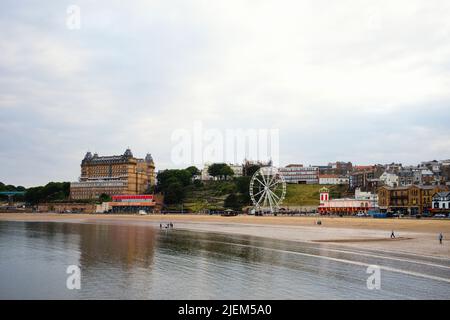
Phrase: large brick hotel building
(113, 175)
(413, 199)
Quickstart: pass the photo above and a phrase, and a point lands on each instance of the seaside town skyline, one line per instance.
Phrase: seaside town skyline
(434, 168)
(133, 185)
(322, 167)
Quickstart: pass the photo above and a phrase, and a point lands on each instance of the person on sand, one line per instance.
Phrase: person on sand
(160, 226)
(440, 237)
(392, 235)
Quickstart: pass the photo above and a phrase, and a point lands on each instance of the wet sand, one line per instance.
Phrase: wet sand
(413, 236)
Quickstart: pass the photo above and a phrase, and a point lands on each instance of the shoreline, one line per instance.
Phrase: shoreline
(417, 237)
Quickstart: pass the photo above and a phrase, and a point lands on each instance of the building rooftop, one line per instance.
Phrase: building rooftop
(95, 158)
(360, 168)
(328, 176)
(443, 194)
(424, 187)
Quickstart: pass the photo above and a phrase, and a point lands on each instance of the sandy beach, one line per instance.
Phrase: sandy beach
(412, 236)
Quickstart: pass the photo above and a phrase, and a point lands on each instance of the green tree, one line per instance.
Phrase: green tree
(167, 177)
(232, 202)
(52, 191)
(221, 170)
(198, 184)
(251, 169)
(104, 197)
(227, 171)
(172, 184)
(174, 194)
(214, 169)
(193, 170)
(11, 187)
(150, 190)
(34, 195)
(243, 186)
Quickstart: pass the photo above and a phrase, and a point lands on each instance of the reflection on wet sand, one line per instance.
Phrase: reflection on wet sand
(127, 246)
(212, 246)
(131, 261)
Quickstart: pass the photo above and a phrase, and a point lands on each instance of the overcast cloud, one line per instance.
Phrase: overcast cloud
(361, 81)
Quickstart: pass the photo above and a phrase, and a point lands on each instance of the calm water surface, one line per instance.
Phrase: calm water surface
(131, 261)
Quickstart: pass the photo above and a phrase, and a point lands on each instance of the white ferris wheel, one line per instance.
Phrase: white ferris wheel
(267, 189)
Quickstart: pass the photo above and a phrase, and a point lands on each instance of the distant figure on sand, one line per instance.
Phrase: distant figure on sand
(160, 226)
(392, 235)
(171, 225)
(441, 237)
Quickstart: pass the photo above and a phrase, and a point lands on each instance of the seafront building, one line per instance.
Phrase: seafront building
(441, 202)
(413, 199)
(344, 205)
(362, 195)
(113, 175)
(141, 203)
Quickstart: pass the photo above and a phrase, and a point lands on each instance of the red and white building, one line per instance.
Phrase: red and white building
(342, 206)
(128, 204)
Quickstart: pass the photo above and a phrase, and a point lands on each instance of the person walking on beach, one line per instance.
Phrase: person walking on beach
(392, 235)
(160, 226)
(441, 237)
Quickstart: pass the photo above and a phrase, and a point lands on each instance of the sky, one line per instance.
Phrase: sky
(363, 81)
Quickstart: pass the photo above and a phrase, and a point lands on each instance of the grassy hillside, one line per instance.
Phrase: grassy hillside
(211, 195)
(308, 194)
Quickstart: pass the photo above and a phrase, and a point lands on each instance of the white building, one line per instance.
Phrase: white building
(238, 169)
(367, 196)
(441, 201)
(434, 166)
(297, 173)
(332, 179)
(204, 172)
(389, 179)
